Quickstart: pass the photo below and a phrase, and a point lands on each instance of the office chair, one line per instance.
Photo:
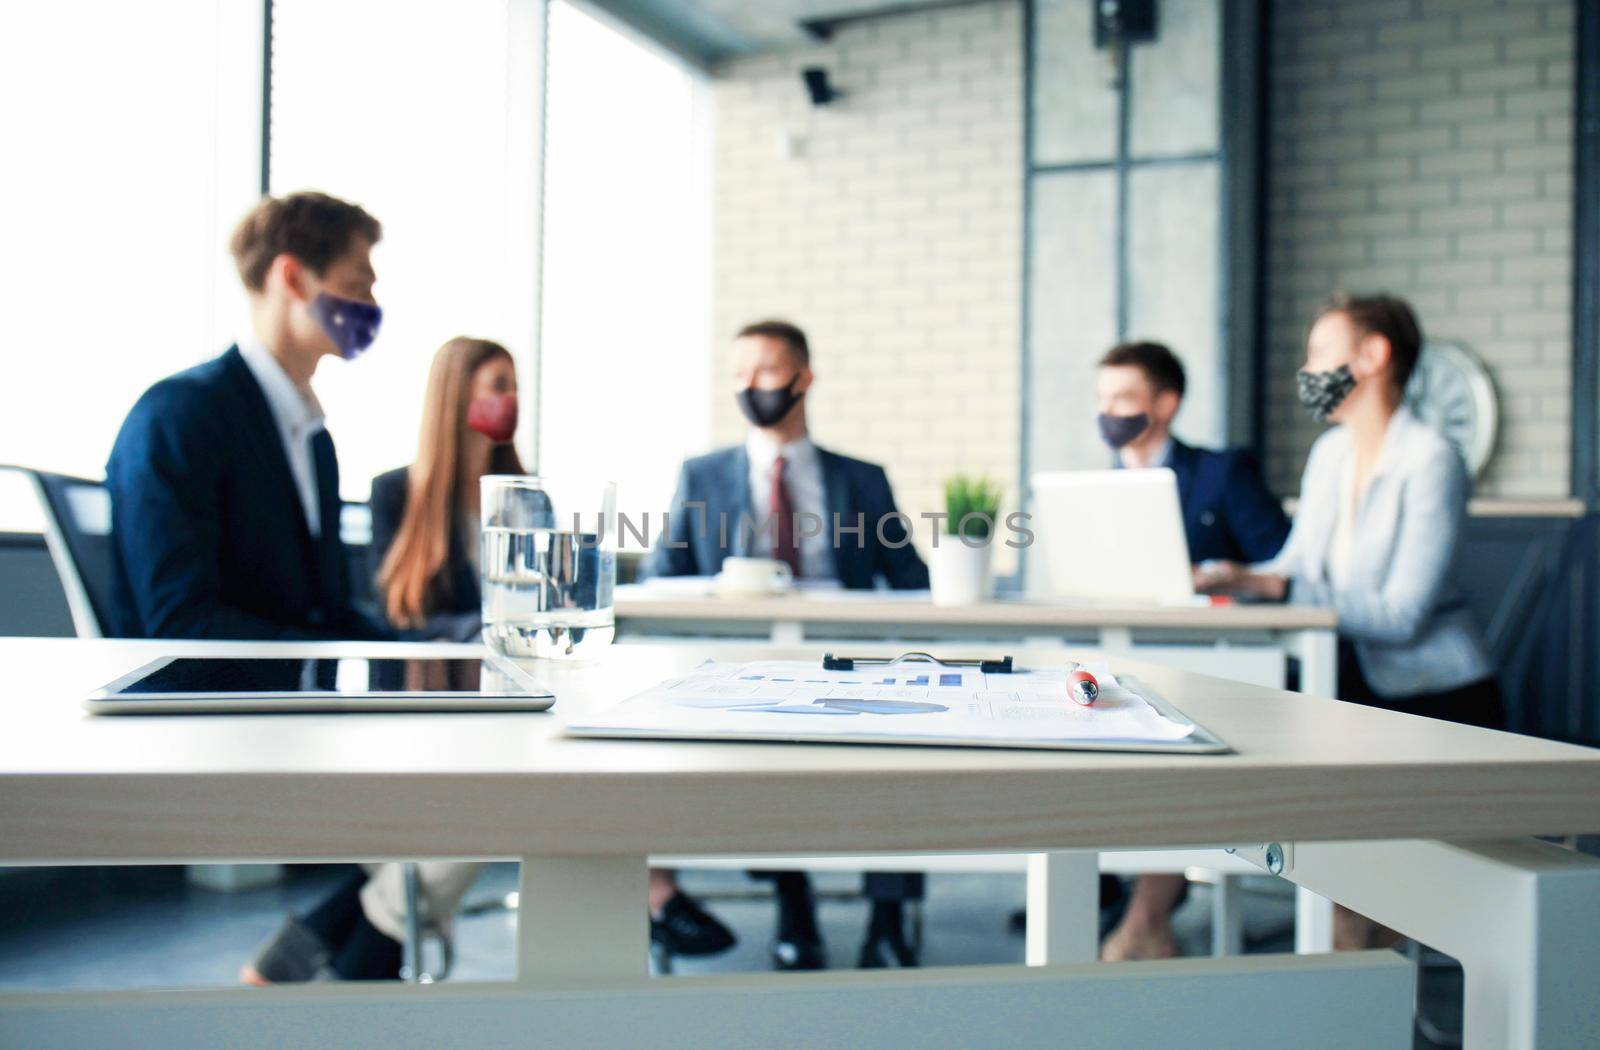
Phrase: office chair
(77, 532)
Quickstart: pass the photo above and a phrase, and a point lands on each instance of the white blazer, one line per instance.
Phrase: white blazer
(1410, 625)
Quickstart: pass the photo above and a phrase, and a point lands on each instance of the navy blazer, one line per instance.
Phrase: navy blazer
(692, 545)
(456, 603)
(209, 538)
(1228, 512)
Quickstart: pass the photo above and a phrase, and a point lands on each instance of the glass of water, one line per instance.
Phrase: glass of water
(549, 565)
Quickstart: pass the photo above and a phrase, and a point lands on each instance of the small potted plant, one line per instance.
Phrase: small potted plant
(959, 559)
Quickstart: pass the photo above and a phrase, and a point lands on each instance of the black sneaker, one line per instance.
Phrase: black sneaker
(689, 930)
(886, 953)
(798, 953)
(798, 945)
(294, 954)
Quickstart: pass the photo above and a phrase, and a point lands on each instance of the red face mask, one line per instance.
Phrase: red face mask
(494, 417)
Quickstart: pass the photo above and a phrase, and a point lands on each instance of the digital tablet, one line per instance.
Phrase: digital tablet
(222, 685)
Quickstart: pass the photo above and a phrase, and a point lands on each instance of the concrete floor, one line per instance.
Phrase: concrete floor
(149, 927)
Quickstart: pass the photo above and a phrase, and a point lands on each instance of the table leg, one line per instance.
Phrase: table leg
(411, 950)
(788, 632)
(1517, 914)
(1319, 662)
(1318, 650)
(1227, 919)
(582, 919)
(1116, 639)
(1063, 908)
(1313, 922)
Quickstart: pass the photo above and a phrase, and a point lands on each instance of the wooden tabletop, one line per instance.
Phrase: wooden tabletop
(672, 602)
(74, 787)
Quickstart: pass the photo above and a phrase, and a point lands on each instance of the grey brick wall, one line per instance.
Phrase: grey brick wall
(1419, 146)
(1424, 147)
(894, 237)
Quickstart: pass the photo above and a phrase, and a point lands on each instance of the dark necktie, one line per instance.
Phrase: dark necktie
(330, 555)
(785, 547)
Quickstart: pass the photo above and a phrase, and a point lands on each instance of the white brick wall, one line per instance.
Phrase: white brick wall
(1423, 147)
(894, 239)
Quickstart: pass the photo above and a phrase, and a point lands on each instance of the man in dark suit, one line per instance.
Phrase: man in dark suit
(224, 483)
(828, 517)
(779, 495)
(225, 505)
(1228, 513)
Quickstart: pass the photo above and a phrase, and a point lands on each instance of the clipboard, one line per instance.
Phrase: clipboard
(1201, 741)
(768, 701)
(850, 663)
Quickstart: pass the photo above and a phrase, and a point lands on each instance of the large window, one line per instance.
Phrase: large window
(117, 207)
(627, 261)
(1125, 238)
(124, 164)
(435, 129)
(426, 115)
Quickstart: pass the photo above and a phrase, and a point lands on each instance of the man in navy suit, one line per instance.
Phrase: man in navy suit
(1228, 513)
(778, 495)
(224, 482)
(225, 503)
(828, 517)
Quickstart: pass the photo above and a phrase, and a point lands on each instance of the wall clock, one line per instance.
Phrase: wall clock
(1451, 392)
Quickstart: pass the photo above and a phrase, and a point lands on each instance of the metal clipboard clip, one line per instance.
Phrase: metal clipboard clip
(849, 663)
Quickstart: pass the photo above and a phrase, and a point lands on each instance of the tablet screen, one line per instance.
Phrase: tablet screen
(188, 677)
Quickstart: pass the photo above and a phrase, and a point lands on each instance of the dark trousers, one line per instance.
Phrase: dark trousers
(875, 885)
(1474, 704)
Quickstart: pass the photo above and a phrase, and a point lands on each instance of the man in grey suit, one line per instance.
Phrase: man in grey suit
(828, 517)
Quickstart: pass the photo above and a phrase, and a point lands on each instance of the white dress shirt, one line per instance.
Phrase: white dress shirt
(299, 416)
(803, 474)
(1162, 458)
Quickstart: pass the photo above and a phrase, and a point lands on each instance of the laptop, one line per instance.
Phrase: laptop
(1109, 536)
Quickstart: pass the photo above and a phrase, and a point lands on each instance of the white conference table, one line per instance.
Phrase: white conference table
(686, 606)
(1245, 642)
(1419, 824)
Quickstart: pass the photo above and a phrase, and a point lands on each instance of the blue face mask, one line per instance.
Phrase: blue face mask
(352, 325)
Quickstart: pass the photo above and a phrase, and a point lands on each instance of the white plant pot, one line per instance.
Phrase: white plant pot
(959, 574)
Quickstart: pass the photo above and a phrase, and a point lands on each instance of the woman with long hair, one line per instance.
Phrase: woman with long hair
(425, 516)
(425, 521)
(424, 549)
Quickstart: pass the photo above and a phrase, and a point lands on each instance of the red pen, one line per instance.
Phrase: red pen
(1081, 685)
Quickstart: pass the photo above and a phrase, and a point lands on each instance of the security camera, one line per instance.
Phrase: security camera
(817, 86)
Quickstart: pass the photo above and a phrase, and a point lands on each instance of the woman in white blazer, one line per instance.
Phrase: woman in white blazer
(1382, 504)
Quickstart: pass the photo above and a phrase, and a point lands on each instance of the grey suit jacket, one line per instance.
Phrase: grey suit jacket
(1400, 607)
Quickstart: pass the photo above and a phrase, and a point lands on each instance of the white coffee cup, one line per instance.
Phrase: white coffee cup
(752, 576)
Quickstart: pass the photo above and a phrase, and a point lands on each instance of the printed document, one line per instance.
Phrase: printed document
(911, 703)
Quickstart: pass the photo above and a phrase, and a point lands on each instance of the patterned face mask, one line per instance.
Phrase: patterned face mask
(1322, 392)
(352, 325)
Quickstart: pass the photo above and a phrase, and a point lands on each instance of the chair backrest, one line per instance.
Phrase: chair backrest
(77, 520)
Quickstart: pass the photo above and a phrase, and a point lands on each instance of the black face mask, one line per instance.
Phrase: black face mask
(766, 408)
(1117, 431)
(1323, 392)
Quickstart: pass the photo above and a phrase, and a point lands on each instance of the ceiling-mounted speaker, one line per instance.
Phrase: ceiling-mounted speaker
(1123, 21)
(817, 86)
